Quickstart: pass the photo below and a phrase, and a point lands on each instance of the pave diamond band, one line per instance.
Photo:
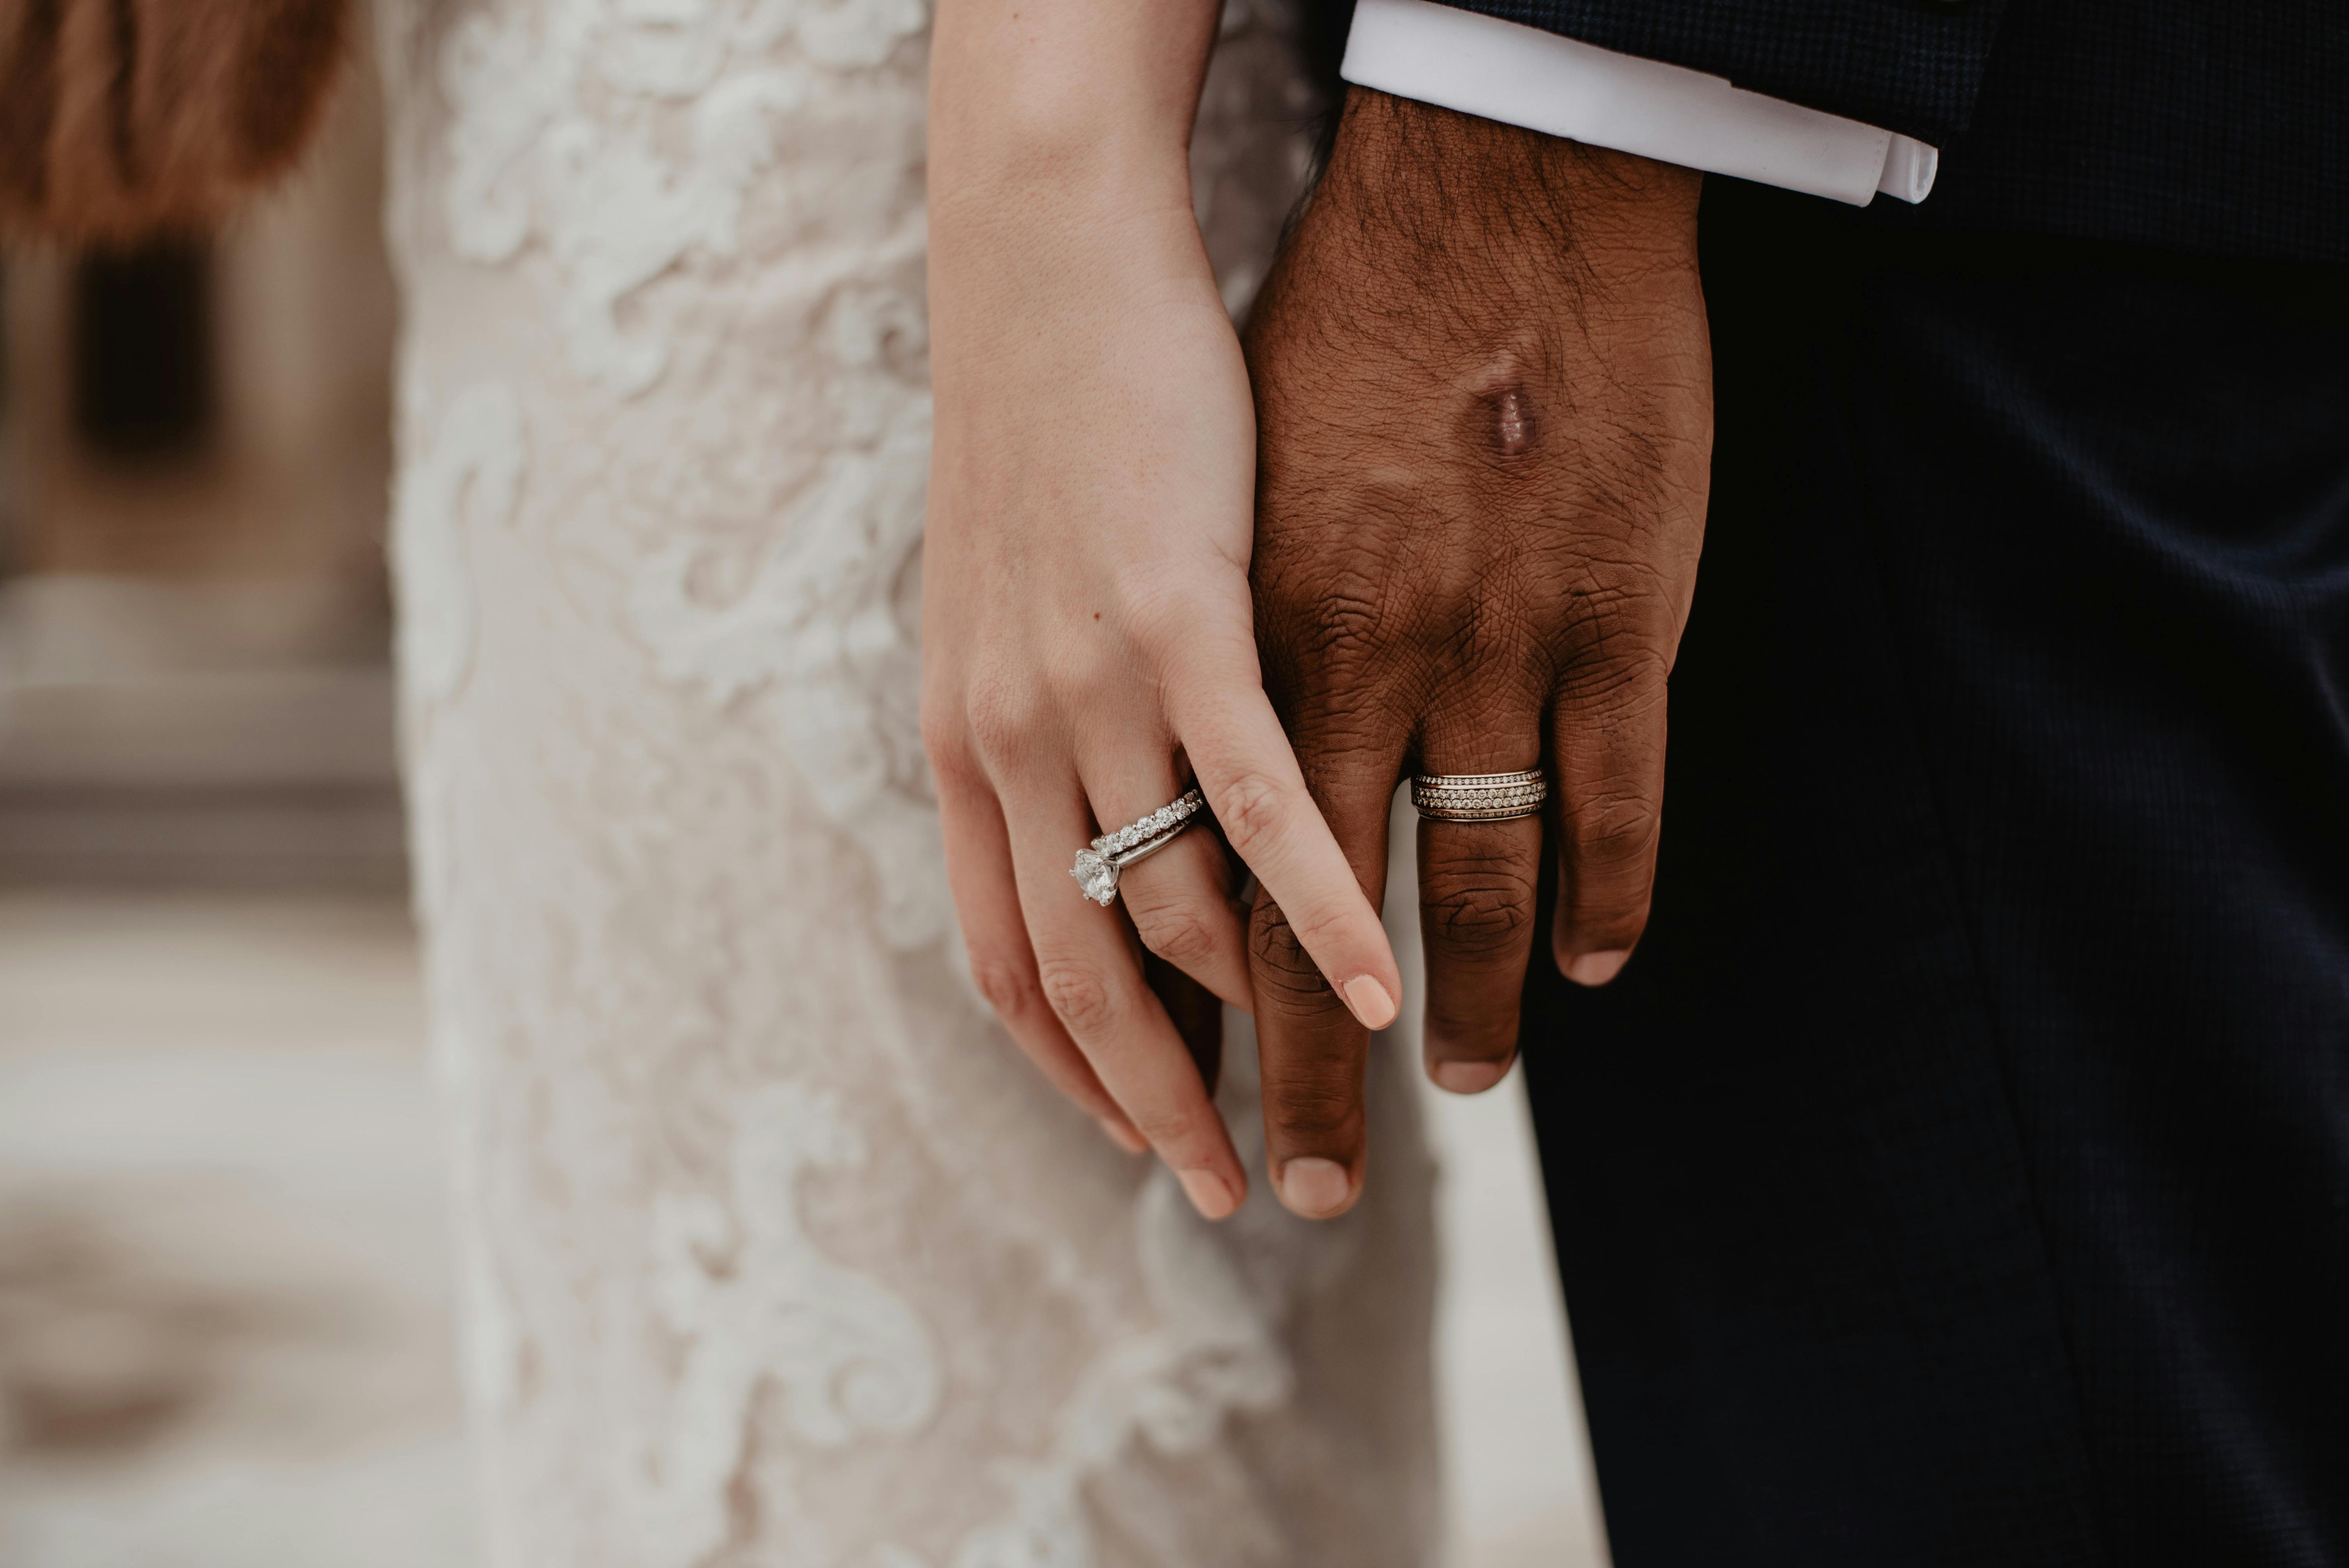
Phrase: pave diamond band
(1097, 867)
(1173, 814)
(1479, 797)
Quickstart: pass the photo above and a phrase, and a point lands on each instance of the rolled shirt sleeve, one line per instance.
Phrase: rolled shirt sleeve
(1545, 81)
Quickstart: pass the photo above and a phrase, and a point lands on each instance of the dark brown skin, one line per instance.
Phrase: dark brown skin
(120, 119)
(1484, 393)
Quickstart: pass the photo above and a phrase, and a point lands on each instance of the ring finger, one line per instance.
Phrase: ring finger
(1180, 897)
(1477, 881)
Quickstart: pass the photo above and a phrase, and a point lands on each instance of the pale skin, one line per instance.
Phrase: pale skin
(1089, 642)
(1463, 538)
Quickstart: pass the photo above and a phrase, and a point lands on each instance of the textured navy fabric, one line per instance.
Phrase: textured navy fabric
(1959, 1174)
(2220, 126)
(2221, 130)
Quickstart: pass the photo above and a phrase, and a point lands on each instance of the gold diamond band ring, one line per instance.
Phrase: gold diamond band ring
(1479, 797)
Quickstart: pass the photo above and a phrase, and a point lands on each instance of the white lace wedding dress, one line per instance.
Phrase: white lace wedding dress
(777, 1252)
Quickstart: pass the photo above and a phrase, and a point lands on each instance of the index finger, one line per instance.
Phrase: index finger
(1242, 760)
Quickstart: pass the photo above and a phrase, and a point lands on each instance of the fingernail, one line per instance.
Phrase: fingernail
(1123, 1135)
(1468, 1078)
(1209, 1193)
(1314, 1187)
(1370, 1001)
(1596, 968)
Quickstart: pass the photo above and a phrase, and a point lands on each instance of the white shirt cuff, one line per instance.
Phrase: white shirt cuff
(1522, 75)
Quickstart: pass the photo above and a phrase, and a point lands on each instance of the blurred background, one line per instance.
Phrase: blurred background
(226, 1336)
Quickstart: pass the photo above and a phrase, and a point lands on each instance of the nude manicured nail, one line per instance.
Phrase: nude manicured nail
(1468, 1078)
(1209, 1193)
(1596, 968)
(1370, 1001)
(1314, 1187)
(1123, 1135)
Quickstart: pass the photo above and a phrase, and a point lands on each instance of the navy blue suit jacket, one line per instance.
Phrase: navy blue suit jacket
(2217, 127)
(1958, 1176)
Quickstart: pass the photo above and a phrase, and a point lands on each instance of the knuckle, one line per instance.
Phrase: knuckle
(1616, 831)
(946, 744)
(1484, 910)
(1485, 631)
(942, 730)
(1318, 927)
(1343, 623)
(1165, 626)
(1080, 996)
(1249, 809)
(1079, 682)
(1004, 985)
(1333, 607)
(1475, 1034)
(1003, 715)
(1284, 972)
(1319, 1103)
(1619, 663)
(1169, 1128)
(1181, 933)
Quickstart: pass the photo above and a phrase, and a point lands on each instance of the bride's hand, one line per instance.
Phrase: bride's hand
(1088, 644)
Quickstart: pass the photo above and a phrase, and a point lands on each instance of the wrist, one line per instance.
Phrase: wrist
(1032, 276)
(1064, 162)
(1045, 102)
(1433, 191)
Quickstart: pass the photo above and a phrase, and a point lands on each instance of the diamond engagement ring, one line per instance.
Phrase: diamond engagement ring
(1097, 868)
(1479, 797)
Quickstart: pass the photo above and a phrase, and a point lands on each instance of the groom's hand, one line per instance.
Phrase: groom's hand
(1484, 401)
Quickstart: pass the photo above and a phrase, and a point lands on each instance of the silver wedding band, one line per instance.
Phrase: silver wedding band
(1478, 797)
(1097, 868)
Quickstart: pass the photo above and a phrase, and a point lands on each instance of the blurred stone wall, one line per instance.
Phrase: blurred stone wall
(194, 622)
